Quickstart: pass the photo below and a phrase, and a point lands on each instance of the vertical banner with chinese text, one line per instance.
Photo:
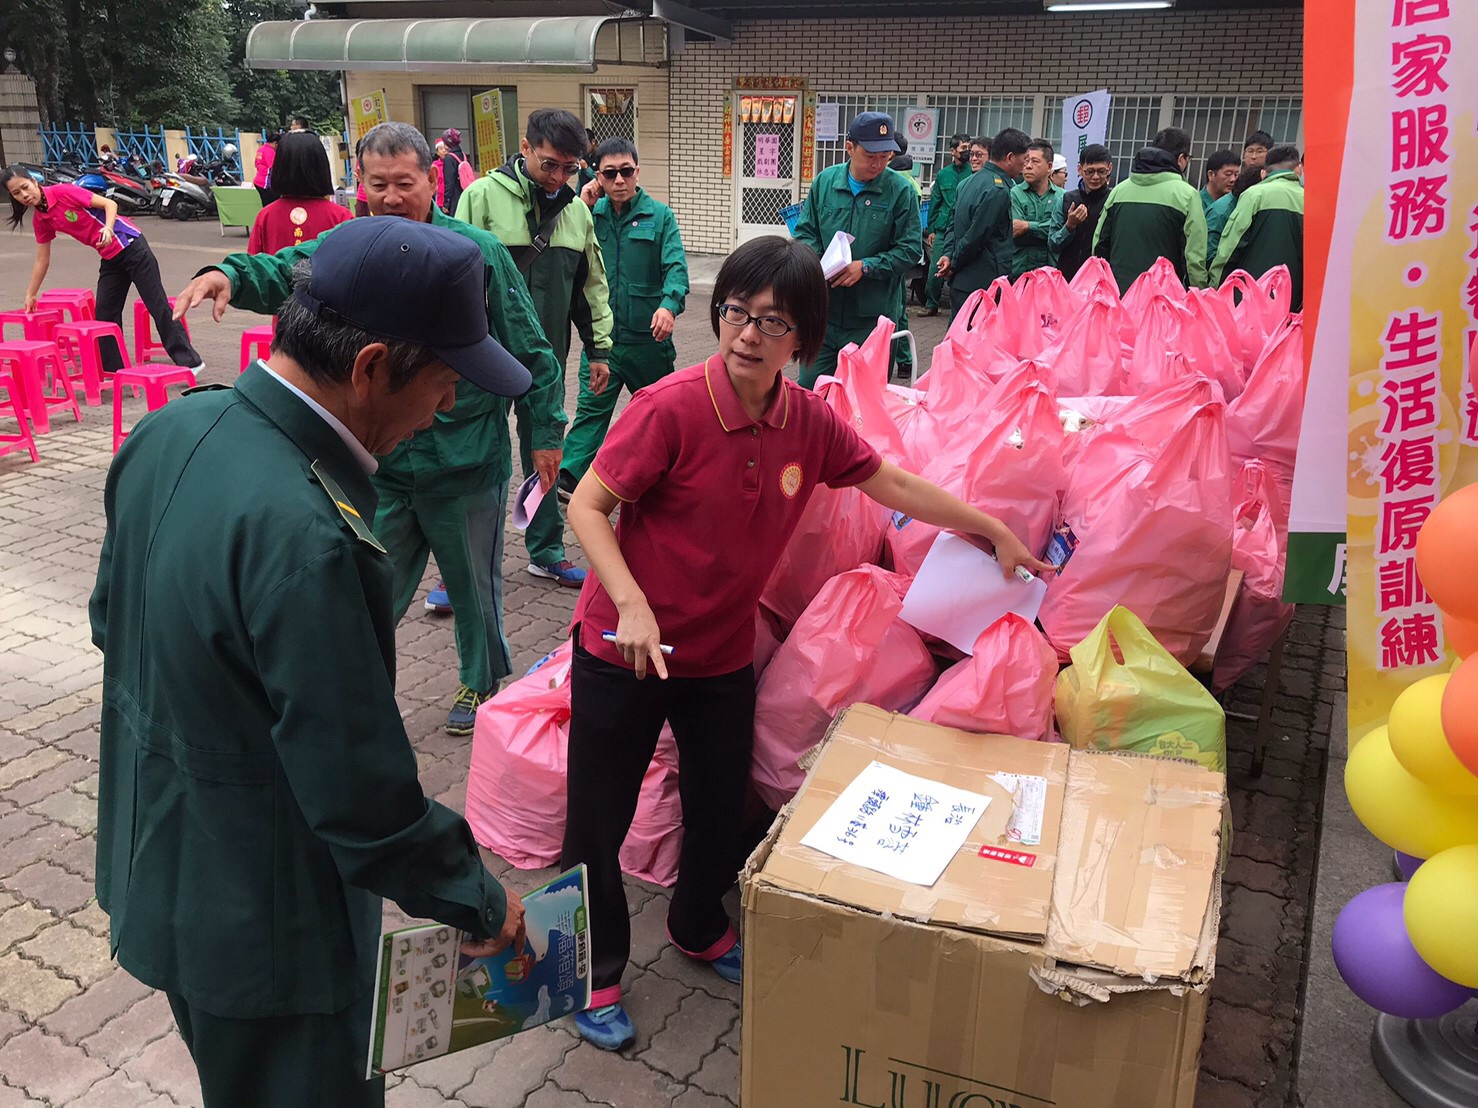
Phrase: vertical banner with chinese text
(728, 135)
(1408, 211)
(487, 118)
(1084, 122)
(367, 111)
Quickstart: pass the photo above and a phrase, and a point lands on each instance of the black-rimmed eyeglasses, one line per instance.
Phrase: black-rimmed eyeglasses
(771, 325)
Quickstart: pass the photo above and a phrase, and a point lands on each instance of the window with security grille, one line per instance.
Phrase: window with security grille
(1224, 122)
(611, 113)
(976, 116)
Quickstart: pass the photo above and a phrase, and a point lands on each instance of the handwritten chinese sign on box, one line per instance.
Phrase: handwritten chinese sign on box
(895, 823)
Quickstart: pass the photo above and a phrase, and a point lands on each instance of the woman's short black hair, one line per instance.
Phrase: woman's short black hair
(301, 166)
(791, 272)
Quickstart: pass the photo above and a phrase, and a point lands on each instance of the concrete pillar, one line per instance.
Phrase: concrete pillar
(250, 141)
(107, 135)
(175, 147)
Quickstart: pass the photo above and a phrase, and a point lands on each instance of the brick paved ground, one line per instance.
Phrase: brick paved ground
(76, 1030)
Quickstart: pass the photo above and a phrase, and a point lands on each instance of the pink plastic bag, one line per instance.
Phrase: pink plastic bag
(1160, 278)
(1263, 422)
(1043, 307)
(1096, 276)
(864, 400)
(1217, 346)
(1258, 614)
(1010, 464)
(1005, 688)
(516, 780)
(1256, 315)
(950, 407)
(1278, 284)
(1089, 357)
(1159, 354)
(1153, 530)
(516, 799)
(849, 647)
(654, 845)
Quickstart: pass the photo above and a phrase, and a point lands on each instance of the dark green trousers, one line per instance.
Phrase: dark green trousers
(935, 283)
(545, 537)
(286, 1062)
(633, 366)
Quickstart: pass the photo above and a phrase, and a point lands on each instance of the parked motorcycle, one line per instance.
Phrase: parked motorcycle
(187, 193)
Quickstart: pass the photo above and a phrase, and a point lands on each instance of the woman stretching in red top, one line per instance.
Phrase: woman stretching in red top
(301, 179)
(711, 468)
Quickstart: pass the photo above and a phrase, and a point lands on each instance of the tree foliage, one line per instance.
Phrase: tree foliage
(174, 63)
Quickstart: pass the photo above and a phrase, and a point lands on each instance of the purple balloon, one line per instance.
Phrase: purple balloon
(1408, 864)
(1379, 964)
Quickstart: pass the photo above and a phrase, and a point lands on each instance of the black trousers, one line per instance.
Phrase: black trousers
(615, 721)
(137, 266)
(285, 1062)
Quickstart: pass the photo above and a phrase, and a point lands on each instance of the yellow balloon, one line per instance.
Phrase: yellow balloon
(1401, 811)
(1441, 913)
(1419, 743)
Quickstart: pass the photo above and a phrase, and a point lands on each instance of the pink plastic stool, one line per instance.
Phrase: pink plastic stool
(143, 332)
(82, 304)
(24, 440)
(256, 342)
(30, 362)
(155, 380)
(37, 326)
(81, 345)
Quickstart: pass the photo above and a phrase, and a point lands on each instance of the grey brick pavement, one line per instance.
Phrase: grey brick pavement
(76, 1030)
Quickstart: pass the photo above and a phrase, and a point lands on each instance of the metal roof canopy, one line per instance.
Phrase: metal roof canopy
(564, 44)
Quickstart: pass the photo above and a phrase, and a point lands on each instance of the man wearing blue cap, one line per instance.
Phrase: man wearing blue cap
(257, 791)
(880, 210)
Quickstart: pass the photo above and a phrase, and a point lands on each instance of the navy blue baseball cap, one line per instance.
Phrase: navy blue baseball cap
(874, 132)
(418, 283)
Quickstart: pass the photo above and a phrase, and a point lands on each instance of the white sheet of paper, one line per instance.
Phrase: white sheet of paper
(1029, 806)
(895, 823)
(828, 121)
(838, 255)
(959, 592)
(526, 502)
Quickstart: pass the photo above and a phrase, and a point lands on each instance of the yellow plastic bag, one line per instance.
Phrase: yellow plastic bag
(1148, 703)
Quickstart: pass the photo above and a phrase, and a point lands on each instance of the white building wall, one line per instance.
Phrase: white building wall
(1213, 53)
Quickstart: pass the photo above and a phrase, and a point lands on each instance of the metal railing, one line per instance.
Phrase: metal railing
(143, 142)
(69, 138)
(206, 143)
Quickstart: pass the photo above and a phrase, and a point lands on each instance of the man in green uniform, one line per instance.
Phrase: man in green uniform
(980, 246)
(257, 791)
(941, 213)
(647, 273)
(528, 204)
(1155, 214)
(1222, 168)
(1036, 211)
(1267, 228)
(880, 210)
(445, 492)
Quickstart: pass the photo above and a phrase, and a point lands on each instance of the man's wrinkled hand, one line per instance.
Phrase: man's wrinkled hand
(212, 285)
(600, 377)
(942, 269)
(847, 277)
(514, 933)
(662, 324)
(546, 465)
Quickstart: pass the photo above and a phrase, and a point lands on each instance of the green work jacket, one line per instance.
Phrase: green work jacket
(257, 793)
(568, 279)
(979, 245)
(1043, 214)
(1266, 230)
(942, 197)
(1155, 214)
(646, 266)
(468, 448)
(889, 239)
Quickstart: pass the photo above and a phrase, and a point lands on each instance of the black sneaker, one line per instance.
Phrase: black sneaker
(463, 716)
(566, 486)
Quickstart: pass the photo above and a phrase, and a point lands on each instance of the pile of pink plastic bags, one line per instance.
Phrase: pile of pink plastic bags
(1153, 435)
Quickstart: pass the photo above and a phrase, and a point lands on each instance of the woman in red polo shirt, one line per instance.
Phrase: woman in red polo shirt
(302, 181)
(126, 258)
(711, 468)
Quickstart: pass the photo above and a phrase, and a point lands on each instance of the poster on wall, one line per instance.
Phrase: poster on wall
(767, 157)
(1402, 320)
(367, 111)
(921, 126)
(487, 120)
(1084, 123)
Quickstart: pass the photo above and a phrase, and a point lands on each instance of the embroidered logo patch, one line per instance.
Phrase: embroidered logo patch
(299, 216)
(71, 217)
(790, 480)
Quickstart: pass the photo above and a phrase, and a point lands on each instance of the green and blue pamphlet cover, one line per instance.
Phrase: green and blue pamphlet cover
(431, 999)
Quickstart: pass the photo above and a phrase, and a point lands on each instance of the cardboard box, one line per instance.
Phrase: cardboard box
(1071, 972)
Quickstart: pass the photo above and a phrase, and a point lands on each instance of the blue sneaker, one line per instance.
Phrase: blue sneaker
(437, 599)
(566, 573)
(607, 1028)
(731, 965)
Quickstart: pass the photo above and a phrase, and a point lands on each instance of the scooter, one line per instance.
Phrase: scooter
(187, 194)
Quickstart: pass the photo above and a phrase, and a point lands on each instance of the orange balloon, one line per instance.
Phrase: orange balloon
(1460, 714)
(1462, 634)
(1444, 553)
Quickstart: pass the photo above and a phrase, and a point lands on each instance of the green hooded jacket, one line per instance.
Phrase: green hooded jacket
(568, 280)
(646, 266)
(1265, 231)
(468, 448)
(889, 239)
(1155, 214)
